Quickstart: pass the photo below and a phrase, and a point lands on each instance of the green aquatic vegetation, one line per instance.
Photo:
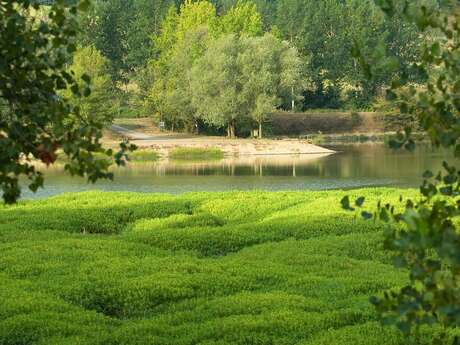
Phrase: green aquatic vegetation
(196, 153)
(138, 156)
(144, 155)
(97, 156)
(198, 268)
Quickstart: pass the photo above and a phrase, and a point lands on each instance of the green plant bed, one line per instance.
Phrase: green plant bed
(144, 155)
(196, 153)
(138, 156)
(63, 159)
(199, 268)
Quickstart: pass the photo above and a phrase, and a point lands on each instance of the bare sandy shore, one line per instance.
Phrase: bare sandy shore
(165, 142)
(237, 147)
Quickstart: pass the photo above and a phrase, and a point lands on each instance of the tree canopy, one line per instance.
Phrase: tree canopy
(35, 121)
(219, 69)
(422, 232)
(132, 33)
(100, 103)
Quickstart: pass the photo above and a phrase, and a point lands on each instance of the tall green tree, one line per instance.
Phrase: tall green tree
(325, 33)
(172, 93)
(100, 103)
(105, 26)
(241, 19)
(164, 41)
(34, 120)
(216, 85)
(269, 69)
(193, 15)
(289, 19)
(182, 40)
(146, 22)
(122, 31)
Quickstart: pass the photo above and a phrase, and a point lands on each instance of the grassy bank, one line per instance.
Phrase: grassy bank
(138, 156)
(196, 153)
(144, 155)
(200, 268)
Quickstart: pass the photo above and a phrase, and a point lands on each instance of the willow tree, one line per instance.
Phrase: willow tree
(243, 77)
(269, 69)
(216, 84)
(182, 39)
(171, 94)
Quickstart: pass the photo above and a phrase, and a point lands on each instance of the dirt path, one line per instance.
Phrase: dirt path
(130, 134)
(165, 142)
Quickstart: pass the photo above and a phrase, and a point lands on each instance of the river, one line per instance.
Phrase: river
(352, 166)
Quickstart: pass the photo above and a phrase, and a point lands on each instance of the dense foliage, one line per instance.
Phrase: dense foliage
(99, 104)
(240, 79)
(424, 232)
(200, 268)
(215, 69)
(151, 44)
(35, 121)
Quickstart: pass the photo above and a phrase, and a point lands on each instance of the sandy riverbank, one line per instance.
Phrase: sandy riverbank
(164, 142)
(236, 147)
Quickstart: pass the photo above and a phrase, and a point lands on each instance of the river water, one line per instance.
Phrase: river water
(352, 166)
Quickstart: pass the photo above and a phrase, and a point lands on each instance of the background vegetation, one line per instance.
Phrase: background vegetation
(197, 153)
(201, 268)
(189, 63)
(216, 66)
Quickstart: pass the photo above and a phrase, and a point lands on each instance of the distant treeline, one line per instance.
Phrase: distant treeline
(163, 57)
(335, 122)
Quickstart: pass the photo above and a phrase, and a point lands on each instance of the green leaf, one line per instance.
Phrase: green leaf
(383, 215)
(427, 174)
(86, 78)
(436, 49)
(359, 201)
(346, 203)
(366, 215)
(84, 5)
(87, 92)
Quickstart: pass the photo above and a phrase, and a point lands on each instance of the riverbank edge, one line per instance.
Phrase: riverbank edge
(358, 138)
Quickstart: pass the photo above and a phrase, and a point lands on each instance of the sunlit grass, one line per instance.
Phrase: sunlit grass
(200, 268)
(144, 155)
(196, 153)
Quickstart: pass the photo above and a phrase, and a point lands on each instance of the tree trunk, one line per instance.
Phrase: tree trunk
(292, 99)
(231, 129)
(260, 130)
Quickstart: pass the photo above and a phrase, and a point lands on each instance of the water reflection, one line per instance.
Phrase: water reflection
(279, 165)
(352, 166)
